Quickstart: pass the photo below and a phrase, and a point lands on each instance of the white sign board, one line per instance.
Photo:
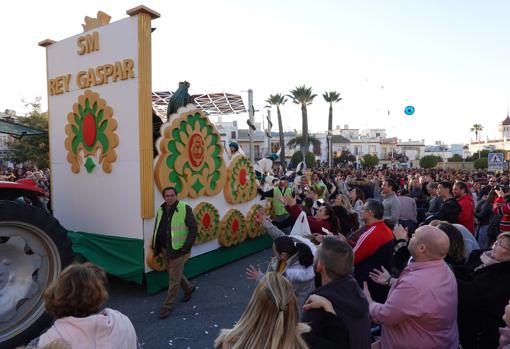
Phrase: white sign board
(93, 76)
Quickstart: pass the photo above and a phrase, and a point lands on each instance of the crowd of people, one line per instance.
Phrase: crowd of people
(362, 259)
(421, 257)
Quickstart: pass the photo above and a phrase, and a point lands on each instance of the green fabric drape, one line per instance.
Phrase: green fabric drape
(118, 256)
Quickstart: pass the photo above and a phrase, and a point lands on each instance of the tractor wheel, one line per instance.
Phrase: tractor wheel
(34, 248)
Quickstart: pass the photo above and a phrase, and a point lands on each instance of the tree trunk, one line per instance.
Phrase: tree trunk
(304, 114)
(282, 141)
(330, 131)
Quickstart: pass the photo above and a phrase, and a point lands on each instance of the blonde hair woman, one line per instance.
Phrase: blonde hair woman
(270, 320)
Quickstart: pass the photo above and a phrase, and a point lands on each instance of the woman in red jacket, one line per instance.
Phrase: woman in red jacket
(325, 217)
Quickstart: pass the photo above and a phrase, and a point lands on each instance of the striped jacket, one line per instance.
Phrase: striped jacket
(501, 207)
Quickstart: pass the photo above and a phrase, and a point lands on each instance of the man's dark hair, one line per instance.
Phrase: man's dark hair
(375, 207)
(336, 256)
(446, 185)
(168, 188)
(462, 186)
(391, 183)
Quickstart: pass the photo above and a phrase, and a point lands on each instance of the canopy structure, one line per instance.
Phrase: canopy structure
(211, 103)
(18, 130)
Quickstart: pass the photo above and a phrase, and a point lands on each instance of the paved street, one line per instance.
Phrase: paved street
(218, 302)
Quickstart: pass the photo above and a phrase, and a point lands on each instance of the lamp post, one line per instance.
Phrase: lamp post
(251, 130)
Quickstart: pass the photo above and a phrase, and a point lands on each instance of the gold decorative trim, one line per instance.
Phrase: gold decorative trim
(46, 43)
(143, 10)
(145, 114)
(101, 19)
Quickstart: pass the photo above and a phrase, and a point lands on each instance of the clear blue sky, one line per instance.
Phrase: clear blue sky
(449, 59)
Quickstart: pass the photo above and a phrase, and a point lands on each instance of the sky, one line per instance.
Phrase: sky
(450, 60)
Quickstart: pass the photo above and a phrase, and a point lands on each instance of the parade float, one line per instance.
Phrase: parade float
(108, 172)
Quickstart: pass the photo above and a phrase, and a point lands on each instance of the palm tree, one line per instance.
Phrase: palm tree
(477, 128)
(331, 97)
(277, 100)
(303, 95)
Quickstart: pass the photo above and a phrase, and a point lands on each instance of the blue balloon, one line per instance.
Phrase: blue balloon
(409, 110)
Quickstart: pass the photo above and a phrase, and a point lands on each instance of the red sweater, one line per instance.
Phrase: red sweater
(316, 225)
(467, 215)
(377, 235)
(503, 208)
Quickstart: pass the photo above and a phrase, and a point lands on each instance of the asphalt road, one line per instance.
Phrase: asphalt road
(218, 302)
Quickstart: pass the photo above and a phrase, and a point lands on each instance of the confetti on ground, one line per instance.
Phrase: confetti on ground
(196, 314)
(206, 332)
(215, 325)
(152, 312)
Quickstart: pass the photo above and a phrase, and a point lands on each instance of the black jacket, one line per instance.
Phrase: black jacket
(483, 212)
(330, 332)
(483, 295)
(449, 212)
(351, 308)
(162, 240)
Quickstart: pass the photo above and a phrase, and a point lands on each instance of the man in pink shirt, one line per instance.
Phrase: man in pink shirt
(421, 308)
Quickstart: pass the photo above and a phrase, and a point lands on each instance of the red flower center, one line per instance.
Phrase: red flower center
(89, 129)
(235, 226)
(206, 220)
(242, 176)
(196, 150)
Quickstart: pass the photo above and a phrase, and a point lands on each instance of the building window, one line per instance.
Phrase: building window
(233, 135)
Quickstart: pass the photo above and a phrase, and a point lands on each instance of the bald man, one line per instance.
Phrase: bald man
(421, 309)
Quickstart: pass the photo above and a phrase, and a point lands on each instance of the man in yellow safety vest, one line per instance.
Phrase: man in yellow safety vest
(174, 234)
(281, 216)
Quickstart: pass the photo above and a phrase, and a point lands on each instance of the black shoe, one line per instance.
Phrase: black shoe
(187, 295)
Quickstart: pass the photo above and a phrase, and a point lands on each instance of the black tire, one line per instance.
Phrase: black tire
(37, 225)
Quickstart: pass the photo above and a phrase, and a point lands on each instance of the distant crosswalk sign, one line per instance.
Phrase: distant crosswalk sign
(495, 161)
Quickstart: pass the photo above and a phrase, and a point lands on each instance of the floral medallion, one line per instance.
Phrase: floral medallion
(90, 129)
(253, 228)
(241, 185)
(232, 228)
(208, 220)
(190, 156)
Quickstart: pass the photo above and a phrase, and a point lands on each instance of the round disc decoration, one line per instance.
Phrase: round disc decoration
(208, 220)
(409, 110)
(253, 228)
(90, 129)
(241, 185)
(190, 156)
(232, 228)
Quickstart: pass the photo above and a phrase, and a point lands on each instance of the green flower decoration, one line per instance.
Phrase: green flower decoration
(233, 228)
(241, 184)
(90, 129)
(208, 220)
(253, 228)
(190, 157)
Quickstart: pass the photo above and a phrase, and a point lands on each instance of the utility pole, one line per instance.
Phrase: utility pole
(251, 124)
